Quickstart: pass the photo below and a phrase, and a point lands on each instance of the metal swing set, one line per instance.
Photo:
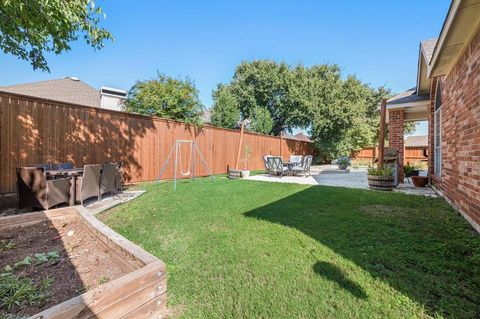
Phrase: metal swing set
(176, 152)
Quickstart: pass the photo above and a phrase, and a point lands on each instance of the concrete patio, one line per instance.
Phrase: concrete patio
(329, 175)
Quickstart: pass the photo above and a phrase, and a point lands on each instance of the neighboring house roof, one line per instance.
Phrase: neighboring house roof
(409, 96)
(299, 137)
(416, 141)
(302, 137)
(70, 90)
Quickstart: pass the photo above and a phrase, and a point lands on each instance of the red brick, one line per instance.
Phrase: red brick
(460, 180)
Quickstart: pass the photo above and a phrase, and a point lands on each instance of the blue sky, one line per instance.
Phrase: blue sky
(205, 40)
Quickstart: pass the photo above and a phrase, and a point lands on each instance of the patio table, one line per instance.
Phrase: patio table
(290, 165)
(70, 172)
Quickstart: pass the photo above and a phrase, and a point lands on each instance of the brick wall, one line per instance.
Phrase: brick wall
(396, 137)
(460, 178)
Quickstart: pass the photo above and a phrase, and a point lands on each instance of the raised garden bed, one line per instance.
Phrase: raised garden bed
(69, 264)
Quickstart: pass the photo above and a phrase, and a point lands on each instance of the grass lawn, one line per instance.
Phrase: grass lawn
(245, 249)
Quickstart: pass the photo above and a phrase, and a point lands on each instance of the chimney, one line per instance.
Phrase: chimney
(112, 98)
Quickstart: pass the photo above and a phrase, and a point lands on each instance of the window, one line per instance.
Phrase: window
(437, 132)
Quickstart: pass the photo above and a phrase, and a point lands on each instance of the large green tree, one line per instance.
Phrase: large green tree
(31, 28)
(166, 97)
(226, 110)
(341, 113)
(260, 89)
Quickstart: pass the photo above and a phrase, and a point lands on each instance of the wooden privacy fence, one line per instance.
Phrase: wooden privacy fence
(34, 130)
(411, 154)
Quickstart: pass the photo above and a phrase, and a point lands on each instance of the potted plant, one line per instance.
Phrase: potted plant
(343, 162)
(248, 152)
(410, 170)
(381, 178)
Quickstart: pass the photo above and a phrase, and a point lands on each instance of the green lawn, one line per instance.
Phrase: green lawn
(245, 249)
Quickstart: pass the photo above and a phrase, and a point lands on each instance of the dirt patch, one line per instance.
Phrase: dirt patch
(82, 261)
(384, 210)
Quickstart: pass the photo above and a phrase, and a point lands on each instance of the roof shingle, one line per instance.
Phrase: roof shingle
(69, 90)
(427, 47)
(416, 141)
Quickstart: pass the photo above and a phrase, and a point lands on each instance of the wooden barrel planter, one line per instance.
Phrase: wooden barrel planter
(381, 183)
(234, 173)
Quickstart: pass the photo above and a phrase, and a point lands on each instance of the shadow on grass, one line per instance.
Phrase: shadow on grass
(417, 245)
(332, 273)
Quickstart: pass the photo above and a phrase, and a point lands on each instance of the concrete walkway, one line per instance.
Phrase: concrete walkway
(329, 175)
(96, 207)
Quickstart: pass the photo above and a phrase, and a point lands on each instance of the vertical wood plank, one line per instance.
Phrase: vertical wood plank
(37, 131)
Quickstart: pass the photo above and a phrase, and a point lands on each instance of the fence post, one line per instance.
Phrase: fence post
(381, 137)
(281, 145)
(240, 145)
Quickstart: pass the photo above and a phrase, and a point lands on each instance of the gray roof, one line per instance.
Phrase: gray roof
(70, 90)
(302, 137)
(299, 137)
(416, 141)
(408, 96)
(427, 47)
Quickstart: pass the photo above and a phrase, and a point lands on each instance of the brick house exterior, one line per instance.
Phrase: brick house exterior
(448, 96)
(459, 179)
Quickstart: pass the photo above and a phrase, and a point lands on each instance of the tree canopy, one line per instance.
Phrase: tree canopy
(31, 28)
(226, 109)
(166, 97)
(340, 113)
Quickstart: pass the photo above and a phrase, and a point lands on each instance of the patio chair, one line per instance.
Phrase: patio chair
(88, 185)
(305, 167)
(297, 159)
(35, 191)
(265, 163)
(275, 166)
(107, 178)
(118, 177)
(58, 166)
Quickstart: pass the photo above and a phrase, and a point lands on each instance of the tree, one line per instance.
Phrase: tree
(340, 113)
(260, 87)
(31, 28)
(165, 97)
(262, 122)
(225, 111)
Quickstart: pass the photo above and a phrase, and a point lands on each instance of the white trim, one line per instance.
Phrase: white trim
(419, 65)
(115, 96)
(443, 34)
(437, 143)
(113, 90)
(408, 105)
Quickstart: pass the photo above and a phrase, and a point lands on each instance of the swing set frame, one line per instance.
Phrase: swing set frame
(177, 153)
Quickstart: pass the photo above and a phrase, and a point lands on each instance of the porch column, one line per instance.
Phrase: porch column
(396, 138)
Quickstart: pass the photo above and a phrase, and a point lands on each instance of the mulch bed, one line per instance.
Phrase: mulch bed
(83, 264)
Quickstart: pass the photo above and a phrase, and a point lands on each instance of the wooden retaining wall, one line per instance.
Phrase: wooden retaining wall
(140, 293)
(34, 130)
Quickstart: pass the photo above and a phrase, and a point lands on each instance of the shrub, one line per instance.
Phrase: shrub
(408, 169)
(386, 171)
